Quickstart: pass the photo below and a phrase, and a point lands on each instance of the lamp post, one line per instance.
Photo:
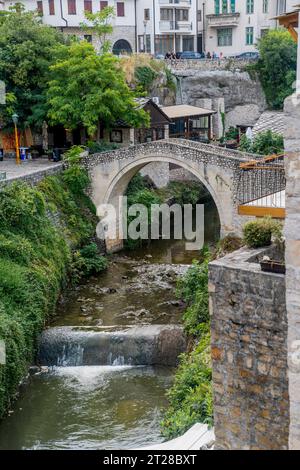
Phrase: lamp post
(15, 121)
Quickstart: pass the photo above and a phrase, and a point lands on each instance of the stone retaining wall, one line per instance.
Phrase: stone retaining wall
(249, 353)
(34, 177)
(228, 63)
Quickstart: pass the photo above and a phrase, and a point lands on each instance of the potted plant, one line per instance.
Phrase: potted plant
(259, 233)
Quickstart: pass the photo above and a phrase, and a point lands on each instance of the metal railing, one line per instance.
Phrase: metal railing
(175, 26)
(262, 179)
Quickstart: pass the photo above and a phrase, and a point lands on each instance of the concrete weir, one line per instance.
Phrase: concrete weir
(142, 345)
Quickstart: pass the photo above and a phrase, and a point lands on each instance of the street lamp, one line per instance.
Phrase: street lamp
(15, 121)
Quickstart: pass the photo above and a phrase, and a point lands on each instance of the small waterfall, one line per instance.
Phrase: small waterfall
(72, 355)
(143, 345)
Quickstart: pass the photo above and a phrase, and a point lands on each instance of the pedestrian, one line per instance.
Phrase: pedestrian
(208, 56)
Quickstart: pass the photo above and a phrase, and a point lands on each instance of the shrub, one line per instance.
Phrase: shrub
(35, 254)
(277, 66)
(101, 146)
(191, 395)
(258, 233)
(264, 143)
(145, 76)
(87, 261)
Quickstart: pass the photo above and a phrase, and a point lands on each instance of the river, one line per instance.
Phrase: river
(85, 400)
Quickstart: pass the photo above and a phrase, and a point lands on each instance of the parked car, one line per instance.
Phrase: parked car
(191, 55)
(247, 55)
(160, 56)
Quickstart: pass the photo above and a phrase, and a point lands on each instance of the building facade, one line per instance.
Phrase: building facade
(226, 27)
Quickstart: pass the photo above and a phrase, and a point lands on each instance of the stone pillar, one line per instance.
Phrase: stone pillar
(131, 136)
(292, 235)
(167, 131)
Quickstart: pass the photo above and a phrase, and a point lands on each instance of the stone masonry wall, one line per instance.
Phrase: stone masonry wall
(292, 258)
(34, 177)
(249, 353)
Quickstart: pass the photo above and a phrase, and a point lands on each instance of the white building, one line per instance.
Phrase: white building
(234, 26)
(157, 26)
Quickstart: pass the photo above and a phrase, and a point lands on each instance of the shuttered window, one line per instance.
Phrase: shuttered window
(72, 7)
(120, 9)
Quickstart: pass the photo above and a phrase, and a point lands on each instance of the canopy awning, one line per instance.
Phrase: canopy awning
(290, 21)
(184, 111)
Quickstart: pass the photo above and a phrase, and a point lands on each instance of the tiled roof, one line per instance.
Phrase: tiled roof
(270, 120)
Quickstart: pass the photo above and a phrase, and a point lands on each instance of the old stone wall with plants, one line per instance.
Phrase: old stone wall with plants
(249, 343)
(46, 234)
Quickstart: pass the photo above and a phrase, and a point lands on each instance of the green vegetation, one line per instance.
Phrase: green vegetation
(26, 52)
(145, 76)
(259, 232)
(190, 397)
(182, 193)
(99, 24)
(138, 192)
(141, 191)
(264, 143)
(86, 88)
(39, 227)
(277, 66)
(101, 146)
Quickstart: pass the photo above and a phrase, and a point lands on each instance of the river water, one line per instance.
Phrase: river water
(111, 405)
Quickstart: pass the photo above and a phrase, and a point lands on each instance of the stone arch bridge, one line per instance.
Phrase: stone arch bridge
(216, 168)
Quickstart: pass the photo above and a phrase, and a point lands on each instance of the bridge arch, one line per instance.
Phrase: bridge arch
(110, 174)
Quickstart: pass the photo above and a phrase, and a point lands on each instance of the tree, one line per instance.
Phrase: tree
(277, 66)
(100, 25)
(86, 88)
(265, 143)
(26, 51)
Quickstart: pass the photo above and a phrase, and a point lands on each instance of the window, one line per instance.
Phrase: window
(281, 7)
(181, 15)
(250, 7)
(51, 7)
(249, 36)
(147, 14)
(166, 14)
(39, 7)
(88, 37)
(72, 7)
(217, 7)
(265, 6)
(103, 4)
(199, 15)
(263, 32)
(232, 6)
(120, 9)
(187, 43)
(88, 5)
(224, 6)
(141, 40)
(224, 37)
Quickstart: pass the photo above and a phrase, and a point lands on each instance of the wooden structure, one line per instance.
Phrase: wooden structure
(290, 22)
(190, 122)
(262, 187)
(124, 135)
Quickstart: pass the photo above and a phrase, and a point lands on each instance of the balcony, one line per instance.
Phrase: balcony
(223, 20)
(183, 3)
(175, 26)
